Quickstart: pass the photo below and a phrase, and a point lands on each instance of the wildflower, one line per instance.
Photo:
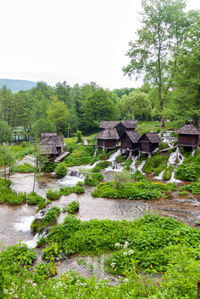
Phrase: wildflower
(125, 245)
(125, 253)
(117, 245)
(131, 252)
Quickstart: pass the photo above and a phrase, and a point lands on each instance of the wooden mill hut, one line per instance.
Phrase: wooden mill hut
(108, 138)
(129, 124)
(129, 140)
(53, 145)
(148, 142)
(188, 135)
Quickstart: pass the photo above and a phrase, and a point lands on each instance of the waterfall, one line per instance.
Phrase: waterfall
(166, 138)
(71, 179)
(133, 167)
(160, 176)
(141, 166)
(114, 156)
(24, 225)
(176, 158)
(33, 243)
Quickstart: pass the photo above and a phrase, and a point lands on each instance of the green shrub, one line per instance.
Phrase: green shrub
(120, 159)
(183, 193)
(18, 254)
(72, 207)
(186, 173)
(100, 166)
(127, 164)
(25, 168)
(61, 170)
(156, 164)
(49, 167)
(138, 176)
(139, 190)
(53, 195)
(50, 218)
(167, 173)
(193, 187)
(92, 179)
(34, 199)
(163, 145)
(75, 189)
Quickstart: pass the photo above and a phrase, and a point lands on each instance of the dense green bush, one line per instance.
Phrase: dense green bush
(139, 190)
(190, 169)
(49, 167)
(61, 170)
(53, 194)
(75, 189)
(138, 176)
(25, 168)
(34, 199)
(81, 155)
(92, 179)
(101, 165)
(127, 164)
(193, 187)
(72, 207)
(11, 197)
(167, 173)
(50, 218)
(120, 159)
(156, 164)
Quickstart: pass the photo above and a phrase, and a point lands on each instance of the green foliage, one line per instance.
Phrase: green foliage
(156, 164)
(101, 165)
(7, 195)
(120, 159)
(53, 194)
(163, 145)
(139, 190)
(193, 188)
(138, 176)
(34, 199)
(92, 179)
(167, 173)
(61, 170)
(50, 218)
(183, 193)
(79, 136)
(190, 169)
(5, 132)
(25, 168)
(81, 155)
(75, 189)
(72, 207)
(127, 164)
(49, 167)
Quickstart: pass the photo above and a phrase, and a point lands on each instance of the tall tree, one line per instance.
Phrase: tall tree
(154, 53)
(136, 104)
(7, 106)
(6, 134)
(99, 106)
(6, 159)
(59, 115)
(187, 83)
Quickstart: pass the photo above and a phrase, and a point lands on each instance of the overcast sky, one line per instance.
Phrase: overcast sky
(73, 40)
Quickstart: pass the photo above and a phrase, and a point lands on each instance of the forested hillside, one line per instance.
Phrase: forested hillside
(17, 85)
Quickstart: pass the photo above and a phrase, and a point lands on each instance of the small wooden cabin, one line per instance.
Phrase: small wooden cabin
(188, 135)
(53, 145)
(129, 140)
(108, 138)
(148, 142)
(104, 125)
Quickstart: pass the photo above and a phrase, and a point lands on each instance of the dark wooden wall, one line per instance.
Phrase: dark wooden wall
(126, 143)
(188, 140)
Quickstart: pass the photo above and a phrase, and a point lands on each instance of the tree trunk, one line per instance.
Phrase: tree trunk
(162, 122)
(34, 180)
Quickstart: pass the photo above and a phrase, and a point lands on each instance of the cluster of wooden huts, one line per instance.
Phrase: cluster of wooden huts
(123, 134)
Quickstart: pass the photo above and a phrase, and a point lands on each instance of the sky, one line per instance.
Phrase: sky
(78, 41)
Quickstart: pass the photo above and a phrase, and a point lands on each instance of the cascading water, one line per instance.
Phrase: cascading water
(167, 138)
(175, 158)
(71, 179)
(133, 166)
(160, 176)
(24, 224)
(141, 166)
(114, 166)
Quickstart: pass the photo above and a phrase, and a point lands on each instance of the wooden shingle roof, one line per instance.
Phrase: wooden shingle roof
(133, 135)
(108, 134)
(129, 124)
(188, 129)
(108, 124)
(153, 137)
(50, 142)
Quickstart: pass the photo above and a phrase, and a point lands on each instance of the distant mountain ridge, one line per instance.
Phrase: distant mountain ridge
(17, 85)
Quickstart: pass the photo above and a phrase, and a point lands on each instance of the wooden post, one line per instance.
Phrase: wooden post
(198, 288)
